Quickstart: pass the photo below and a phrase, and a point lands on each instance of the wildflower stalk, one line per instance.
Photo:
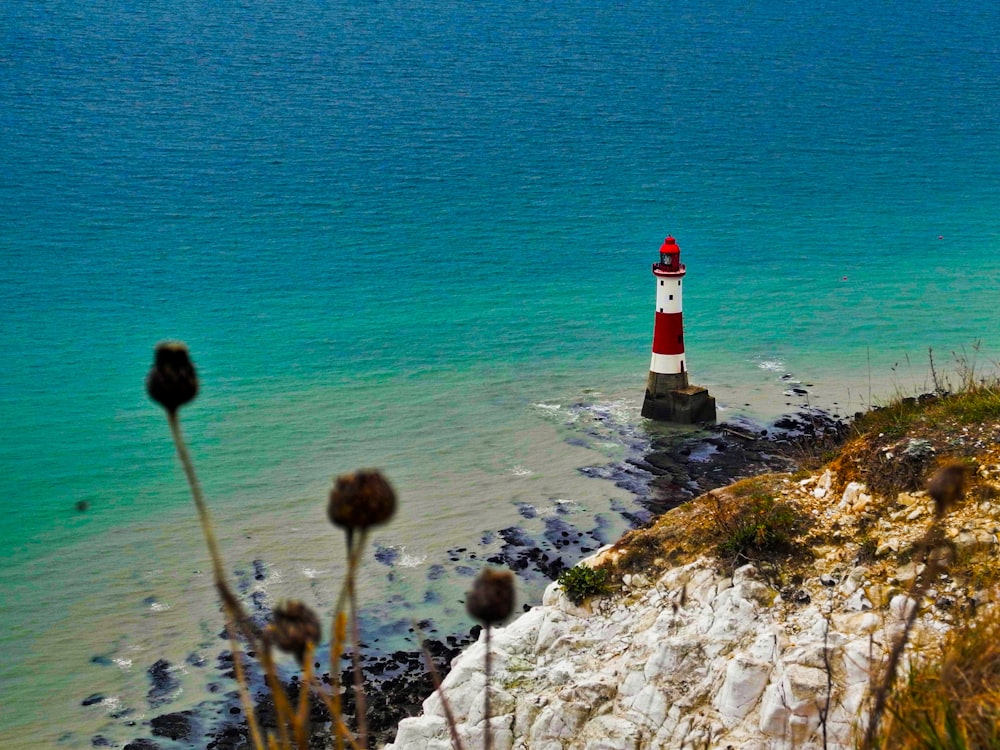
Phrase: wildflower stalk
(946, 488)
(302, 711)
(241, 683)
(488, 739)
(917, 590)
(360, 701)
(456, 741)
(282, 707)
(338, 637)
(199, 500)
(234, 616)
(357, 502)
(491, 600)
(341, 732)
(341, 618)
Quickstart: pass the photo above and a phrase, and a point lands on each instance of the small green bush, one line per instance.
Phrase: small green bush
(755, 524)
(583, 582)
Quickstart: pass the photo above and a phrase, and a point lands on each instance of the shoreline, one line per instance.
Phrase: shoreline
(665, 471)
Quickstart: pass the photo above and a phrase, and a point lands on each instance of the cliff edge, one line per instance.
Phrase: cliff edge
(755, 616)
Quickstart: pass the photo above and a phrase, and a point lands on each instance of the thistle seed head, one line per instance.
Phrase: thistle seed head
(361, 499)
(491, 599)
(172, 381)
(947, 487)
(295, 626)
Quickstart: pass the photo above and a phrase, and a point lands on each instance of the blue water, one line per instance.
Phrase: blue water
(408, 233)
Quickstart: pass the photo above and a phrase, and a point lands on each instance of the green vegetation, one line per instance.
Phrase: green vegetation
(582, 582)
(752, 521)
(980, 402)
(897, 446)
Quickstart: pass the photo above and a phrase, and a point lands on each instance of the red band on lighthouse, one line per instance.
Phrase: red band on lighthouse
(668, 333)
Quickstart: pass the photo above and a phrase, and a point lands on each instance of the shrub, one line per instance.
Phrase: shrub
(752, 522)
(582, 582)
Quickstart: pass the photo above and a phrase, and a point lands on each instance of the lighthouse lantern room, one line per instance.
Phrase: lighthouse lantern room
(669, 395)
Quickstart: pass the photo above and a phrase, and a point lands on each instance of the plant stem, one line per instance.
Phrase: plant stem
(234, 614)
(361, 705)
(343, 599)
(917, 590)
(302, 711)
(456, 741)
(282, 707)
(199, 500)
(241, 682)
(341, 731)
(488, 738)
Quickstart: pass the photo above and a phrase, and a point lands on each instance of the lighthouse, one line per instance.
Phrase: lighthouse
(669, 395)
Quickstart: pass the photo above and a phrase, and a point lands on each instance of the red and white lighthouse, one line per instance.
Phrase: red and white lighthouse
(669, 396)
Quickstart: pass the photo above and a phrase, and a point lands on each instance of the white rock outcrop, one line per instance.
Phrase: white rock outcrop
(694, 659)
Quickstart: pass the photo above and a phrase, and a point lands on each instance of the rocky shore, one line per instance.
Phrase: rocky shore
(689, 651)
(661, 472)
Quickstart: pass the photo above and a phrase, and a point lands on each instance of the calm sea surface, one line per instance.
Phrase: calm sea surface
(417, 235)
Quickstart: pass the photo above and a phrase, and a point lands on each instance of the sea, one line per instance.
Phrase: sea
(416, 235)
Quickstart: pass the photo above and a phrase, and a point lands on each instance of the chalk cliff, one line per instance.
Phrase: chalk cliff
(698, 654)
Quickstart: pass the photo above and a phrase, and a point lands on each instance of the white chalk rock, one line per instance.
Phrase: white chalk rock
(697, 659)
(743, 685)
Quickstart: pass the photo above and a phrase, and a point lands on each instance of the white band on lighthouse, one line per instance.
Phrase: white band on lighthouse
(668, 295)
(667, 363)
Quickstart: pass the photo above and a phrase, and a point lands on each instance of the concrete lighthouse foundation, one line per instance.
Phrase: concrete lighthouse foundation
(689, 405)
(669, 395)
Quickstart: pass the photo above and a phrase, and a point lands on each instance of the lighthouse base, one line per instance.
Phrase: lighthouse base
(688, 405)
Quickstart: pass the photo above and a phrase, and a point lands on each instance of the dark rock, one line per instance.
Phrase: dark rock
(387, 555)
(796, 596)
(91, 699)
(527, 510)
(259, 570)
(229, 737)
(164, 683)
(99, 740)
(176, 726)
(142, 744)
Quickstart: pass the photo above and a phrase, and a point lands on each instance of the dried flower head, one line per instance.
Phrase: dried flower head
(295, 626)
(172, 381)
(361, 499)
(491, 599)
(947, 487)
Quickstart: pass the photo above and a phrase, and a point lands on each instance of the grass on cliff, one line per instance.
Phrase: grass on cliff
(896, 446)
(952, 701)
(747, 521)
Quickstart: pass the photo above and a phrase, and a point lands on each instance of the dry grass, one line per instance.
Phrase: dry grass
(749, 520)
(896, 446)
(952, 701)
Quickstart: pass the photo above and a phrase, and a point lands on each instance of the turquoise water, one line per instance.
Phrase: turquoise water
(413, 235)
